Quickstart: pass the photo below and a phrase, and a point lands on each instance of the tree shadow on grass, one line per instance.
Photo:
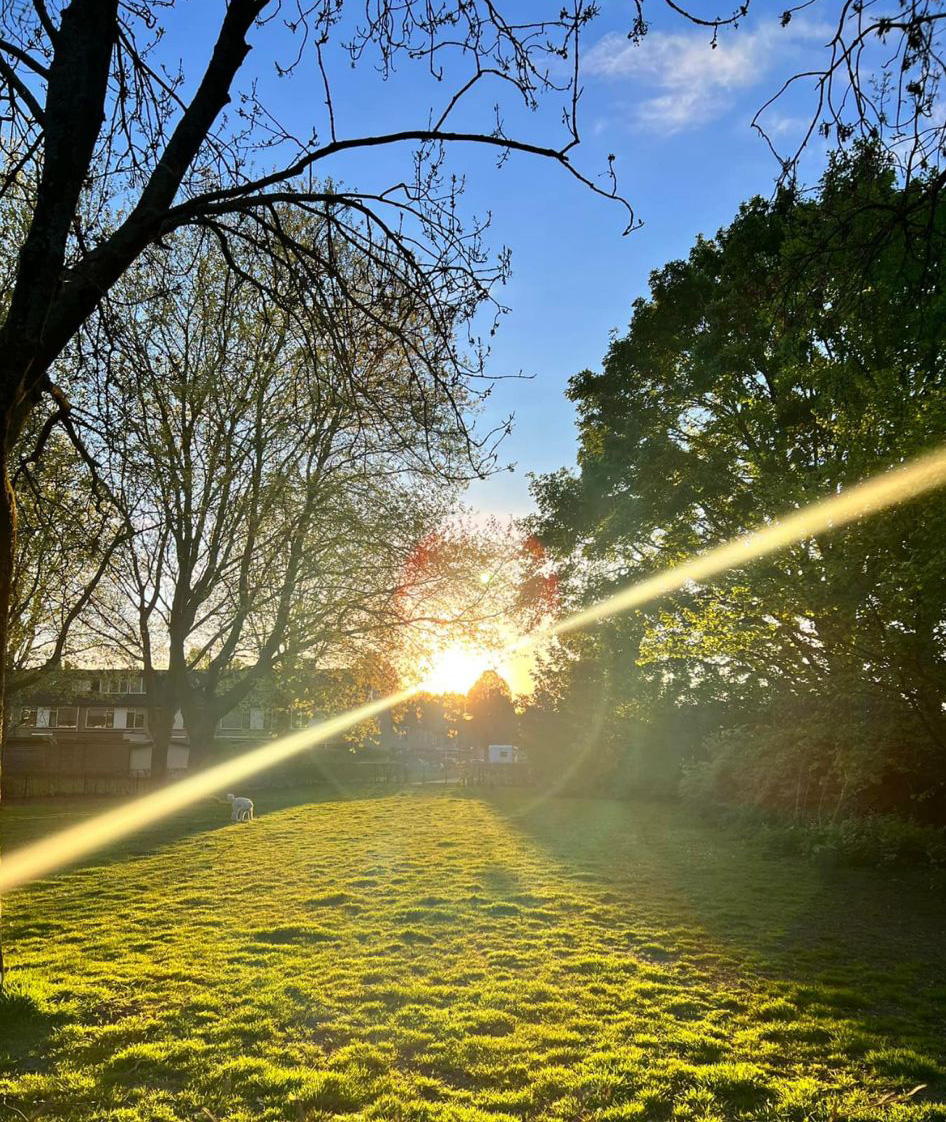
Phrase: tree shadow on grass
(740, 894)
(27, 1022)
(864, 946)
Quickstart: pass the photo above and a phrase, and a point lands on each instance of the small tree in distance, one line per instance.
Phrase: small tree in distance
(492, 714)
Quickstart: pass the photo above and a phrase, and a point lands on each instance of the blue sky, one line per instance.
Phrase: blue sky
(676, 114)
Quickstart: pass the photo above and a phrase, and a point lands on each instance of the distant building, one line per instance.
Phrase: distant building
(504, 754)
(246, 723)
(90, 725)
(90, 731)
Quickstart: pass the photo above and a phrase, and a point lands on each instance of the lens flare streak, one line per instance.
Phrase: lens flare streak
(877, 494)
(67, 846)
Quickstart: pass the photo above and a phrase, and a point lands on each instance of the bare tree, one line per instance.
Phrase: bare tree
(68, 534)
(276, 469)
(110, 148)
(877, 78)
(878, 81)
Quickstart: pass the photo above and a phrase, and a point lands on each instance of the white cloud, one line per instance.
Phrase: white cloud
(682, 81)
(783, 124)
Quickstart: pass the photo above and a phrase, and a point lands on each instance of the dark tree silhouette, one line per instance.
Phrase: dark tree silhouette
(491, 711)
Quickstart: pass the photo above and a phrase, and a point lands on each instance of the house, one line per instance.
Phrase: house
(86, 727)
(88, 731)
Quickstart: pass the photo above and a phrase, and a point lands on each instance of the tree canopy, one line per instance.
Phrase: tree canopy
(760, 374)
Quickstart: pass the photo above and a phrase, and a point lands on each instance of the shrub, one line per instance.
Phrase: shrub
(762, 781)
(872, 840)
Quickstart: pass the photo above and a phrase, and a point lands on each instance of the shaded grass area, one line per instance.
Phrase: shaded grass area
(437, 956)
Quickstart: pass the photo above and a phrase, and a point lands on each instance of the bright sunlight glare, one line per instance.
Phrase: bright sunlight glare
(454, 670)
(880, 493)
(886, 490)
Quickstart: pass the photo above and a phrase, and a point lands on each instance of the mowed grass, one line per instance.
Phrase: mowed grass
(440, 956)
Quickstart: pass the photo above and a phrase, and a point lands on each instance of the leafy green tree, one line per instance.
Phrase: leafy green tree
(786, 358)
(310, 691)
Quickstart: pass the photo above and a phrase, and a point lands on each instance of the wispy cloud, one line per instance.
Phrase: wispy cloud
(683, 82)
(784, 124)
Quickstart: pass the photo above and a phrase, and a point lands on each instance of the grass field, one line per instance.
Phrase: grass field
(416, 956)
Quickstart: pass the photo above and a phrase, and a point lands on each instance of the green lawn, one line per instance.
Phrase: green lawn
(415, 956)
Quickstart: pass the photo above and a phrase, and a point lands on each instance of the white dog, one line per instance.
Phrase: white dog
(241, 808)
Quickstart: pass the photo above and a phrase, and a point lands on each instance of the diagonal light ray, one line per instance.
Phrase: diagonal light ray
(880, 493)
(889, 489)
(67, 846)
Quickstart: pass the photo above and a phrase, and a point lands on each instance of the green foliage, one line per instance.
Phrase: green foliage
(878, 840)
(437, 958)
(796, 353)
(873, 840)
(822, 760)
(597, 722)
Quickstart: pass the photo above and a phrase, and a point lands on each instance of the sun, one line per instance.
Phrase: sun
(454, 670)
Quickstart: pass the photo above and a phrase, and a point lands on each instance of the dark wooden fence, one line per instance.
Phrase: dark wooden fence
(41, 784)
(344, 771)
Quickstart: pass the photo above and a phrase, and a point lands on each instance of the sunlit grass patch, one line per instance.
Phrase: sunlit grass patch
(426, 958)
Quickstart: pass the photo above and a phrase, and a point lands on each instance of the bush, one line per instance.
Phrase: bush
(814, 789)
(870, 840)
(874, 840)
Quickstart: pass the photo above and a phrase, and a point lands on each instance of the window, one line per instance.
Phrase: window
(125, 683)
(233, 722)
(65, 717)
(99, 718)
(118, 683)
(243, 720)
(135, 719)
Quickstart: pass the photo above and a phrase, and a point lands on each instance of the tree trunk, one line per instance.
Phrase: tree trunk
(389, 740)
(162, 721)
(201, 724)
(7, 551)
